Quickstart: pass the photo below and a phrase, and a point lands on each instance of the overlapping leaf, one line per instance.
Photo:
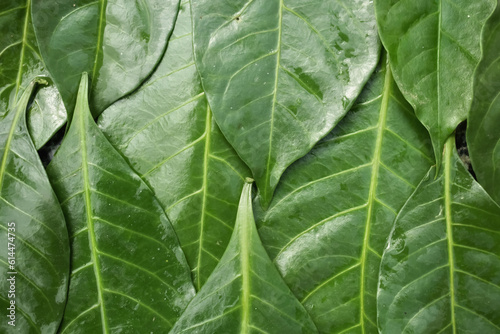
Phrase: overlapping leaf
(128, 270)
(483, 135)
(245, 293)
(179, 151)
(434, 49)
(334, 209)
(280, 74)
(32, 230)
(20, 63)
(118, 42)
(440, 272)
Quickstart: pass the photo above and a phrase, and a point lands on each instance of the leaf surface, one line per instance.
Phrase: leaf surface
(280, 74)
(483, 135)
(440, 272)
(20, 63)
(128, 270)
(32, 230)
(118, 42)
(333, 210)
(434, 48)
(195, 174)
(245, 293)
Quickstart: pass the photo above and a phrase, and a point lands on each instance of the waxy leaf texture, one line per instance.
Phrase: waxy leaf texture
(21, 62)
(334, 209)
(178, 149)
(282, 71)
(117, 42)
(483, 133)
(440, 272)
(245, 293)
(32, 230)
(434, 48)
(127, 268)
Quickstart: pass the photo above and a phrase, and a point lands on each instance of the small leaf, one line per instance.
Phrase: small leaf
(280, 74)
(483, 135)
(127, 268)
(21, 63)
(195, 174)
(333, 210)
(33, 235)
(245, 293)
(434, 48)
(440, 272)
(118, 42)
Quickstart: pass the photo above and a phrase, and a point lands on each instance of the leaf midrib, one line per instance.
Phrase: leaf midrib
(373, 187)
(23, 46)
(449, 225)
(100, 34)
(90, 219)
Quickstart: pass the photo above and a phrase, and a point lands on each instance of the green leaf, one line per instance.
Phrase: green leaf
(483, 136)
(117, 42)
(282, 72)
(195, 174)
(20, 63)
(245, 293)
(127, 268)
(32, 230)
(333, 210)
(440, 272)
(434, 48)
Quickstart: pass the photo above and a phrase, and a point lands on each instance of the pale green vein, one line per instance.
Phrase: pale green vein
(245, 236)
(208, 132)
(23, 47)
(79, 316)
(100, 35)
(88, 206)
(449, 225)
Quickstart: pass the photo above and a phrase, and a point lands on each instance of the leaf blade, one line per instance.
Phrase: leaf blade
(438, 246)
(196, 174)
(270, 308)
(277, 78)
(33, 227)
(115, 225)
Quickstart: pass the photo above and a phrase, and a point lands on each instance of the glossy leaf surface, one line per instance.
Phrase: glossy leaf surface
(177, 148)
(434, 48)
(32, 226)
(128, 270)
(117, 42)
(334, 209)
(441, 270)
(483, 135)
(279, 74)
(245, 293)
(20, 63)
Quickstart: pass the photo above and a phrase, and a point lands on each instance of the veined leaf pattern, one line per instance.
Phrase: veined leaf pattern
(195, 173)
(118, 42)
(20, 63)
(245, 293)
(282, 71)
(434, 48)
(127, 268)
(483, 137)
(32, 227)
(440, 272)
(334, 209)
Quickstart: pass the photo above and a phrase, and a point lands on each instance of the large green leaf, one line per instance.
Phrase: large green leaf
(32, 230)
(127, 268)
(334, 209)
(195, 174)
(483, 135)
(118, 42)
(245, 293)
(440, 272)
(279, 74)
(434, 48)
(20, 63)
